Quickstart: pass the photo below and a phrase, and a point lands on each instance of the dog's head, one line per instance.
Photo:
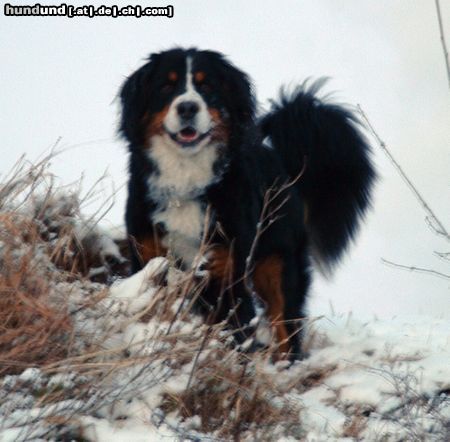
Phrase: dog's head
(187, 98)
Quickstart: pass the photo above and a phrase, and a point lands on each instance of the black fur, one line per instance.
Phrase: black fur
(332, 194)
(337, 183)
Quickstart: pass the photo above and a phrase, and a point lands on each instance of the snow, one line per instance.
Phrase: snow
(134, 293)
(317, 417)
(364, 365)
(378, 379)
(132, 430)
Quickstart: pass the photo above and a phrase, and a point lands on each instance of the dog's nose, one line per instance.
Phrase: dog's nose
(187, 109)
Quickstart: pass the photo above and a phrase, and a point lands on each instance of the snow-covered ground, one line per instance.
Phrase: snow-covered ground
(379, 380)
(139, 365)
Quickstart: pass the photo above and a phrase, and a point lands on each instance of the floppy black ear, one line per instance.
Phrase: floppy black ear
(135, 97)
(239, 90)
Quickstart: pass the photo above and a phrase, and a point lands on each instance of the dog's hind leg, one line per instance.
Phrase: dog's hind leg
(283, 287)
(268, 283)
(296, 282)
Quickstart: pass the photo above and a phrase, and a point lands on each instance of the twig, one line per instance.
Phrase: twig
(443, 255)
(267, 217)
(444, 45)
(436, 224)
(416, 269)
(206, 336)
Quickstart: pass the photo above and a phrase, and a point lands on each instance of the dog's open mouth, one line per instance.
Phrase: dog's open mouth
(188, 136)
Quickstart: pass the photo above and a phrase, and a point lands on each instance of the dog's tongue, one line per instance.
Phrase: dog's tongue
(188, 134)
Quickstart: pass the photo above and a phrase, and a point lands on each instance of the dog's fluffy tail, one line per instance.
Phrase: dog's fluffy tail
(338, 177)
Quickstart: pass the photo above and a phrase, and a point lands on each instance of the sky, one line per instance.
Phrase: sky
(60, 77)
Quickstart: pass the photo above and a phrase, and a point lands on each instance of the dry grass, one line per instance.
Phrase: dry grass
(51, 266)
(94, 355)
(231, 400)
(39, 248)
(33, 331)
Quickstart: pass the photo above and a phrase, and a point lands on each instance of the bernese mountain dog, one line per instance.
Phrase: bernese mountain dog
(250, 200)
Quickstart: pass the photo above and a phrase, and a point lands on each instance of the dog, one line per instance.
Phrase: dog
(269, 195)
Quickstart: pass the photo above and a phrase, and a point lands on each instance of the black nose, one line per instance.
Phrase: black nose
(187, 109)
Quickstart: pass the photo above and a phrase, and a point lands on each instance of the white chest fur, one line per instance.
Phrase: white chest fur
(184, 223)
(181, 174)
(182, 178)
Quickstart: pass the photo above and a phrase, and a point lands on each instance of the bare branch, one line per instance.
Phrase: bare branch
(433, 220)
(416, 269)
(444, 45)
(267, 217)
(443, 255)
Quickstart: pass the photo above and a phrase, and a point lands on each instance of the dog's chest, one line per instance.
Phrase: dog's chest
(178, 190)
(183, 222)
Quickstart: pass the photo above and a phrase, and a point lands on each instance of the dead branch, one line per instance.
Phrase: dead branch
(433, 221)
(444, 44)
(445, 256)
(268, 216)
(416, 269)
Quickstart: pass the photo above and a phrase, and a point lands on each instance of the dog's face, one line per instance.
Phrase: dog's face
(188, 98)
(192, 112)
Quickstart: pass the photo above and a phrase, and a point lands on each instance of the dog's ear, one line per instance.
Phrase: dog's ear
(241, 91)
(135, 95)
(238, 88)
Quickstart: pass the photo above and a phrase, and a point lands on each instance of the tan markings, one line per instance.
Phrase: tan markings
(199, 76)
(215, 115)
(267, 280)
(220, 131)
(154, 123)
(150, 247)
(173, 76)
(220, 263)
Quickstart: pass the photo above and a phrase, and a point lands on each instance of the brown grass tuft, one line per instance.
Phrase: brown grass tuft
(44, 241)
(232, 403)
(32, 331)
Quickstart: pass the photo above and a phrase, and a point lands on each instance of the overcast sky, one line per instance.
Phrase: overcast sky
(60, 77)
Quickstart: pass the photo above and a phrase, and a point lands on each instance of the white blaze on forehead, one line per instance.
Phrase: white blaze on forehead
(202, 121)
(190, 90)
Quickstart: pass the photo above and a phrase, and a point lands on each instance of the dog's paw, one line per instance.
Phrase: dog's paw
(216, 263)
(157, 270)
(200, 266)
